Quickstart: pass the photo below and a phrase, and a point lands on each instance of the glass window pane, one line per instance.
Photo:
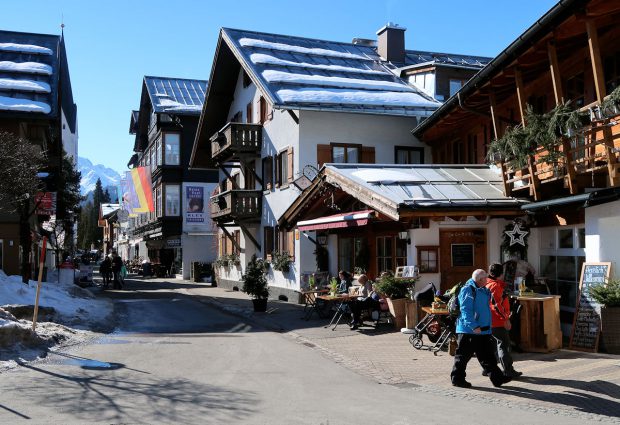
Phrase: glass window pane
(566, 268)
(173, 199)
(565, 238)
(338, 154)
(547, 266)
(402, 156)
(345, 249)
(171, 146)
(581, 237)
(352, 155)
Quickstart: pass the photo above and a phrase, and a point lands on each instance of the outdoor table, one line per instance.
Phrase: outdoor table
(341, 300)
(311, 304)
(540, 323)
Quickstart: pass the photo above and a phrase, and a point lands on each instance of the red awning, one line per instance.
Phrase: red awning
(351, 219)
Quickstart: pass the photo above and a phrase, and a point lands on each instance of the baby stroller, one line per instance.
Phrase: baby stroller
(430, 325)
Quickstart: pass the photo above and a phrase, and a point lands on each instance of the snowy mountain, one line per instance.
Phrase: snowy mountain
(90, 174)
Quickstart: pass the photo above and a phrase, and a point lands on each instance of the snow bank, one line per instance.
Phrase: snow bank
(75, 306)
(251, 42)
(170, 105)
(23, 105)
(26, 67)
(24, 85)
(354, 97)
(25, 48)
(352, 83)
(261, 58)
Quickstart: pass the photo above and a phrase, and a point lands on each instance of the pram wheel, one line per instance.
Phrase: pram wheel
(417, 343)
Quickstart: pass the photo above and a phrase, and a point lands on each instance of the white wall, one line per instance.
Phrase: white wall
(201, 248)
(603, 234)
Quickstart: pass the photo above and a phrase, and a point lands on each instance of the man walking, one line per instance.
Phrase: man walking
(500, 313)
(473, 328)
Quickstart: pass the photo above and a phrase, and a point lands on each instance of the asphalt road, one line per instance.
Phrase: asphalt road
(176, 360)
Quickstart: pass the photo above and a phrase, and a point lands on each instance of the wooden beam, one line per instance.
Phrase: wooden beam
(231, 237)
(595, 58)
(229, 177)
(570, 168)
(612, 164)
(493, 105)
(554, 68)
(534, 181)
(520, 94)
(507, 186)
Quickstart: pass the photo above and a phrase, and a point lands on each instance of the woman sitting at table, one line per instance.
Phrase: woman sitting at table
(345, 282)
(367, 299)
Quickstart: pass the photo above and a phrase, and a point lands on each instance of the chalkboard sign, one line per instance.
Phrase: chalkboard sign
(462, 255)
(587, 320)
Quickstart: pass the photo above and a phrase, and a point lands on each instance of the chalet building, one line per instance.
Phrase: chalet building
(278, 108)
(571, 55)
(36, 103)
(108, 220)
(179, 231)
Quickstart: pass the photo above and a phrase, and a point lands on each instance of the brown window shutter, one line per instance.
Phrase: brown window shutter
(368, 154)
(248, 113)
(229, 246)
(238, 242)
(277, 160)
(291, 243)
(290, 164)
(323, 154)
(267, 242)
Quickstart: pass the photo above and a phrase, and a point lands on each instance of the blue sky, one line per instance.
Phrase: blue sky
(112, 44)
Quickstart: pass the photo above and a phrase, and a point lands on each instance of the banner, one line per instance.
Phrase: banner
(195, 204)
(137, 191)
(45, 203)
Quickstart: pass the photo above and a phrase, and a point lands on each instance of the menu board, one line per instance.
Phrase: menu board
(462, 254)
(587, 320)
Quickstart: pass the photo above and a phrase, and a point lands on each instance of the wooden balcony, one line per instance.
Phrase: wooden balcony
(236, 140)
(237, 206)
(589, 159)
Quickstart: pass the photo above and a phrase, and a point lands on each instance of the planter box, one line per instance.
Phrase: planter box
(610, 329)
(398, 311)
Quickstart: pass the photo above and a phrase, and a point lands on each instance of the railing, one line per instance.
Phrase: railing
(236, 139)
(237, 205)
(594, 150)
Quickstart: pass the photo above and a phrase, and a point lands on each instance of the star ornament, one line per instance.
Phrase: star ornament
(516, 235)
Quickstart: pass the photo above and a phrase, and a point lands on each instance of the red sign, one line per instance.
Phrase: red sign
(45, 203)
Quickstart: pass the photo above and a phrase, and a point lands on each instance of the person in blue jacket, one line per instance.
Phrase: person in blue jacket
(473, 329)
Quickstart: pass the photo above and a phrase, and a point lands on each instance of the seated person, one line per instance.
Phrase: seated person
(345, 282)
(367, 299)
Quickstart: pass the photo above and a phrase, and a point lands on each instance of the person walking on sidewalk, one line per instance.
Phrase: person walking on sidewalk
(500, 315)
(473, 328)
(117, 265)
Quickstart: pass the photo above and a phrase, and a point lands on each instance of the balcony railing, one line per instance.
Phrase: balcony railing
(237, 205)
(236, 140)
(589, 158)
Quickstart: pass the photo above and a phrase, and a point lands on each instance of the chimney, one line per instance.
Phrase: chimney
(391, 43)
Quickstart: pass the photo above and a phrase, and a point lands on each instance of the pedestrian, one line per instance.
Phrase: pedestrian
(500, 315)
(117, 265)
(473, 329)
(105, 269)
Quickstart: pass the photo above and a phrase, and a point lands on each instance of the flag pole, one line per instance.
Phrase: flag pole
(36, 302)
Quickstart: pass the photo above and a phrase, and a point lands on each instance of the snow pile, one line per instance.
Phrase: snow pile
(320, 80)
(24, 85)
(75, 306)
(26, 67)
(355, 97)
(261, 58)
(170, 105)
(23, 105)
(251, 42)
(25, 48)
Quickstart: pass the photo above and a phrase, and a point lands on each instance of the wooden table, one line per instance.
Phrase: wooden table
(341, 300)
(540, 323)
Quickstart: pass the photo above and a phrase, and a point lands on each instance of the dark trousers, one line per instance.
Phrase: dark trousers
(502, 340)
(358, 306)
(118, 280)
(483, 347)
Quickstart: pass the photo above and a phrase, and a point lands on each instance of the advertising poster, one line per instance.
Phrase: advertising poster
(195, 204)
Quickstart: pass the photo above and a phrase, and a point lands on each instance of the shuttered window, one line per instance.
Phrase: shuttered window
(268, 247)
(344, 153)
(268, 173)
(284, 168)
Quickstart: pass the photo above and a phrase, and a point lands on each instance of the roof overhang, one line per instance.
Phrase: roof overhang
(351, 219)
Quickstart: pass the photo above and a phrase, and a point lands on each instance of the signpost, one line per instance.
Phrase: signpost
(587, 320)
(36, 301)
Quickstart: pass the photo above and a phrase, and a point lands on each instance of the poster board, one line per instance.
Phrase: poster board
(587, 321)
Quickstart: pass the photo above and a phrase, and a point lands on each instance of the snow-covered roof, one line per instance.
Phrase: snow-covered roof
(107, 209)
(303, 73)
(176, 95)
(29, 73)
(415, 58)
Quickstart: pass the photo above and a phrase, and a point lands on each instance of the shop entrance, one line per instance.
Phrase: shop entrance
(461, 252)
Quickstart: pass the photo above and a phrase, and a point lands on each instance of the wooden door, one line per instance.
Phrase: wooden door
(461, 252)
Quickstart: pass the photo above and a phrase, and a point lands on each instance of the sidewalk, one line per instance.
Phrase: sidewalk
(571, 383)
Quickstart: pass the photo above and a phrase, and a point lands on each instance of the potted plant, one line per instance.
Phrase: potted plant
(255, 283)
(281, 261)
(333, 286)
(396, 290)
(608, 296)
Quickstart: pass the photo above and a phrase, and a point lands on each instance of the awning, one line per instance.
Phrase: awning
(351, 219)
